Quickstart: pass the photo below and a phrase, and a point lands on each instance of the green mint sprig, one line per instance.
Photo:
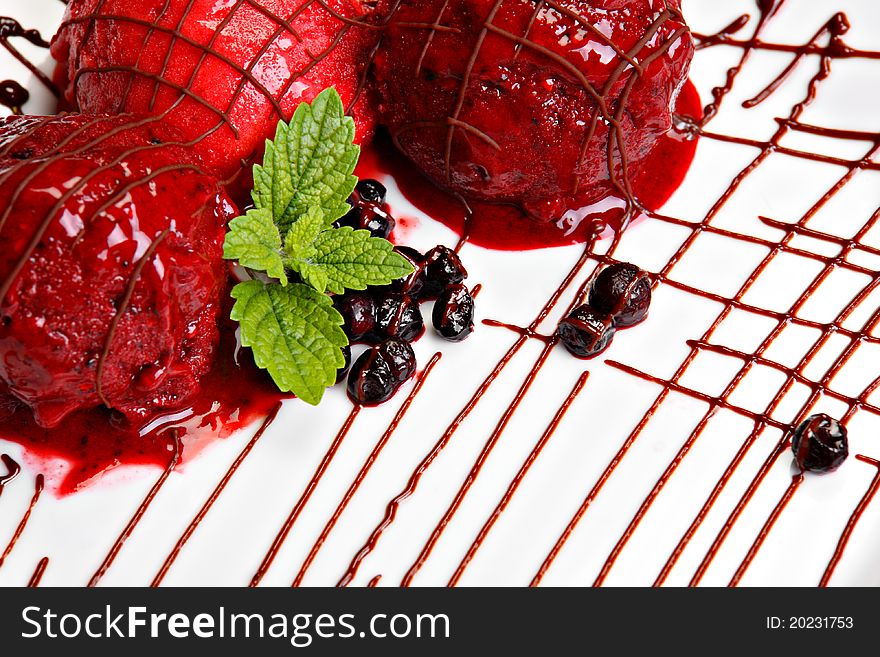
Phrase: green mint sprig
(300, 190)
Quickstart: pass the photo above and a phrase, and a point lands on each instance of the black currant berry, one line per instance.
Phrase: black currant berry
(399, 357)
(443, 268)
(624, 292)
(819, 444)
(371, 190)
(359, 312)
(370, 381)
(397, 316)
(415, 282)
(453, 315)
(375, 218)
(586, 332)
(343, 371)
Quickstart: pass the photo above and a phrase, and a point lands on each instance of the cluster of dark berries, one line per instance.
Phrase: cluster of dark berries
(820, 444)
(389, 318)
(620, 298)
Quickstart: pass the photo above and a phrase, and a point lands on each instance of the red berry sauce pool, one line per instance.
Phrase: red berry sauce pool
(88, 443)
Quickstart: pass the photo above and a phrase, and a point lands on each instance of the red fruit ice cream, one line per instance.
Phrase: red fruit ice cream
(111, 267)
(549, 106)
(224, 72)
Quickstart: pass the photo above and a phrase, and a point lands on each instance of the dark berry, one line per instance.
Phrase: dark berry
(343, 371)
(624, 292)
(397, 316)
(370, 381)
(586, 332)
(415, 282)
(443, 269)
(819, 444)
(371, 190)
(352, 219)
(359, 312)
(375, 218)
(454, 313)
(400, 358)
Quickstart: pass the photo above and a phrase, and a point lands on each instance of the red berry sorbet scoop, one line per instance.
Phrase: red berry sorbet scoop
(223, 72)
(111, 265)
(549, 105)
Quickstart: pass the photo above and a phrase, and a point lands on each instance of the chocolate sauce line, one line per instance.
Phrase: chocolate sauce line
(139, 513)
(122, 306)
(792, 375)
(37, 577)
(19, 530)
(490, 444)
(413, 482)
(796, 481)
(518, 479)
(767, 9)
(304, 497)
(853, 520)
(365, 470)
(781, 446)
(13, 469)
(842, 51)
(212, 498)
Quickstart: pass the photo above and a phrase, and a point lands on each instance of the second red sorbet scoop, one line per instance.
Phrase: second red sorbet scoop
(548, 106)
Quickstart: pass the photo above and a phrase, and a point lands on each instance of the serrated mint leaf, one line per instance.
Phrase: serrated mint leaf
(350, 259)
(294, 332)
(255, 242)
(310, 163)
(300, 240)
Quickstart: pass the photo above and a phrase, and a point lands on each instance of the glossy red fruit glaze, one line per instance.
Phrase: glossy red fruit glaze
(111, 269)
(233, 395)
(492, 116)
(504, 227)
(222, 70)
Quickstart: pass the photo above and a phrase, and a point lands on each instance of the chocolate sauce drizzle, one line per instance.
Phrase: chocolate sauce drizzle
(22, 524)
(37, 577)
(364, 471)
(129, 528)
(212, 498)
(833, 31)
(828, 43)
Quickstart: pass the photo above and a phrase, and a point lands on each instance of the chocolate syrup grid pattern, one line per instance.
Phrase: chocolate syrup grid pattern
(751, 360)
(818, 388)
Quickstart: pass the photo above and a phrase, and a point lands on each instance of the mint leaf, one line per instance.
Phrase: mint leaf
(300, 240)
(309, 164)
(295, 333)
(354, 260)
(255, 242)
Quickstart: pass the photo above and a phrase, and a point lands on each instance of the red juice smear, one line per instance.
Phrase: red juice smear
(91, 442)
(506, 228)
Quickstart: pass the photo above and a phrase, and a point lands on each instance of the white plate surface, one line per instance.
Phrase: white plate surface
(76, 532)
